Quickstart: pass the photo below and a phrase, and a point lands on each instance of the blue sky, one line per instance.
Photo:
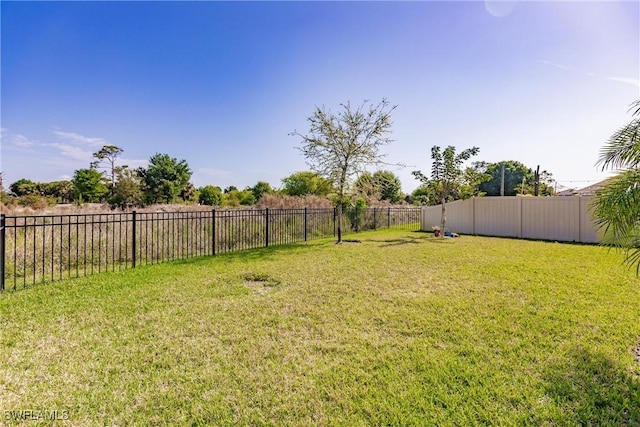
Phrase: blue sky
(223, 84)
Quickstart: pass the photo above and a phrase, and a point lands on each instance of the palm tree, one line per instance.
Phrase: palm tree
(617, 204)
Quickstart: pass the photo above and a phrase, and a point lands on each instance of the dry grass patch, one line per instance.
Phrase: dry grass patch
(261, 283)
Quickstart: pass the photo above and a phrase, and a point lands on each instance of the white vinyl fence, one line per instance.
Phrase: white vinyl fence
(566, 219)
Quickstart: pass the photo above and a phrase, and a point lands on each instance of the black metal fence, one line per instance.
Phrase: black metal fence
(38, 249)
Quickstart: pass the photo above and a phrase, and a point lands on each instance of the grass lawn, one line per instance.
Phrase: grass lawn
(400, 329)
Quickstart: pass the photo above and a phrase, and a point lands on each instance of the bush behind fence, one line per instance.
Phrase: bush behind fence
(38, 249)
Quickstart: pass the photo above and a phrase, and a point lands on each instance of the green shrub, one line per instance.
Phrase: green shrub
(36, 202)
(210, 195)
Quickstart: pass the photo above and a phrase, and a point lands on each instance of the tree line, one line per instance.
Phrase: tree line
(167, 180)
(341, 149)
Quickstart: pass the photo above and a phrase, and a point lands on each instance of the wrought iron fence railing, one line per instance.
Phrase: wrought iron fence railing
(35, 249)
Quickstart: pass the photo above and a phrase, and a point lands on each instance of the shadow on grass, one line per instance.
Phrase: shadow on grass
(418, 237)
(258, 253)
(403, 241)
(397, 241)
(594, 391)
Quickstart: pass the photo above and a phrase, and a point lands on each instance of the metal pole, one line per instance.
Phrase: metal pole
(266, 232)
(374, 218)
(133, 241)
(305, 224)
(340, 222)
(2, 248)
(213, 231)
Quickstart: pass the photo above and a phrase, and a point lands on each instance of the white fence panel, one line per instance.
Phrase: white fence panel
(430, 217)
(589, 232)
(565, 219)
(459, 216)
(498, 216)
(551, 218)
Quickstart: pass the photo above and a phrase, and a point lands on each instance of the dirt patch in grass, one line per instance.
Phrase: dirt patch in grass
(261, 283)
(636, 353)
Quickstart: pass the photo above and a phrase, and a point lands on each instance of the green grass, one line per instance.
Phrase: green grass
(401, 329)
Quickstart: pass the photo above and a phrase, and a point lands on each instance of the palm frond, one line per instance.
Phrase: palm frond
(617, 212)
(636, 105)
(622, 150)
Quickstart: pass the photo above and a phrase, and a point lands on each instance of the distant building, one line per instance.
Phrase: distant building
(586, 191)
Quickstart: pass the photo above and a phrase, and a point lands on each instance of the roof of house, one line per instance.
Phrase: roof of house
(586, 191)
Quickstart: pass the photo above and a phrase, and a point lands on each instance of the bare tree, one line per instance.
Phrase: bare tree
(106, 159)
(342, 145)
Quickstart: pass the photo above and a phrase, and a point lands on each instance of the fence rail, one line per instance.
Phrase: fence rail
(38, 249)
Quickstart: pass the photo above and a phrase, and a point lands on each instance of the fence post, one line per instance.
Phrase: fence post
(266, 232)
(213, 231)
(2, 248)
(580, 219)
(305, 224)
(388, 217)
(374, 218)
(133, 241)
(520, 232)
(473, 210)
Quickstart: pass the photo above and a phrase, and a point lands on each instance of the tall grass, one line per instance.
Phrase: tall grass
(54, 247)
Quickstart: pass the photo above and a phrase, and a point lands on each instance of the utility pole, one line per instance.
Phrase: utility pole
(536, 184)
(502, 180)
